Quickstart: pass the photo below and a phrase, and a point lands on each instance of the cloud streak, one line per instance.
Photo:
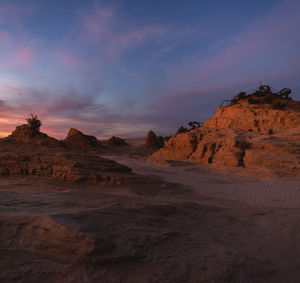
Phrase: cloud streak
(63, 110)
(16, 47)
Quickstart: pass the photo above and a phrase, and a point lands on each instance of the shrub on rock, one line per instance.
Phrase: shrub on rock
(182, 130)
(34, 123)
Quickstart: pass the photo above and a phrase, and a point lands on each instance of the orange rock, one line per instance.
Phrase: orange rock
(25, 135)
(254, 136)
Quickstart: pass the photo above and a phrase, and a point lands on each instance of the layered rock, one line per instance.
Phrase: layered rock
(262, 119)
(31, 153)
(61, 165)
(249, 135)
(76, 140)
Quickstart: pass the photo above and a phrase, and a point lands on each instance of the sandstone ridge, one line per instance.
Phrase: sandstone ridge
(256, 136)
(28, 152)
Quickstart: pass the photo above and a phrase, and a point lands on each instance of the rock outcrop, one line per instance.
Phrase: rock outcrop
(76, 140)
(115, 141)
(27, 152)
(153, 141)
(251, 135)
(23, 134)
(61, 165)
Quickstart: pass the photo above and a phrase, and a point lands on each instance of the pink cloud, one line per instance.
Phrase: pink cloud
(7, 87)
(69, 61)
(22, 58)
(95, 27)
(16, 47)
(98, 22)
(16, 55)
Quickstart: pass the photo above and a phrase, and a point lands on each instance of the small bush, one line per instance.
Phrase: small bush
(253, 101)
(268, 100)
(264, 94)
(34, 123)
(194, 125)
(182, 130)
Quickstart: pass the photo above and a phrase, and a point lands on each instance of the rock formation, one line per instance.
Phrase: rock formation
(116, 141)
(254, 135)
(23, 134)
(76, 140)
(153, 141)
(28, 152)
(61, 165)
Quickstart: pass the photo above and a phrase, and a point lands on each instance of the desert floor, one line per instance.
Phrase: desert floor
(208, 225)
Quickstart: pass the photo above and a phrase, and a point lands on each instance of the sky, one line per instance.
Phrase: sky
(125, 67)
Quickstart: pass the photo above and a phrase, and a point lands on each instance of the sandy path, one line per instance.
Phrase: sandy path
(281, 193)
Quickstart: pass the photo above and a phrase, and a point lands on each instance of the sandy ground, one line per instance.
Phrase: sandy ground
(240, 185)
(212, 226)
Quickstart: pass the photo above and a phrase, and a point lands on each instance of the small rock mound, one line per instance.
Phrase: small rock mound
(115, 141)
(153, 141)
(76, 140)
(23, 134)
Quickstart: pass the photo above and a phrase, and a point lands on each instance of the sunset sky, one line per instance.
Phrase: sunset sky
(125, 67)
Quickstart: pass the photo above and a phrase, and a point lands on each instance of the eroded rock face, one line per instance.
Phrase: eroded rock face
(61, 165)
(76, 140)
(32, 153)
(253, 136)
(262, 119)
